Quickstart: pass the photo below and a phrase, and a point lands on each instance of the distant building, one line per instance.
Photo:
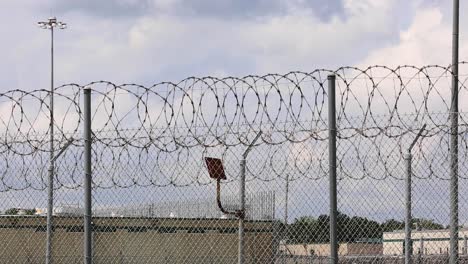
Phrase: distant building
(137, 240)
(41, 211)
(425, 242)
(62, 210)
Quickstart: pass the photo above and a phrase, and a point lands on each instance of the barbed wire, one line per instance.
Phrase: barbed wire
(148, 135)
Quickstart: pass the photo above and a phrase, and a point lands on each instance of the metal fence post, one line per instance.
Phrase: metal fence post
(454, 140)
(241, 251)
(465, 245)
(408, 218)
(87, 180)
(286, 203)
(332, 168)
(421, 245)
(50, 209)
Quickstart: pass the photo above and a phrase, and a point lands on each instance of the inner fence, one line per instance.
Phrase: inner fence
(153, 200)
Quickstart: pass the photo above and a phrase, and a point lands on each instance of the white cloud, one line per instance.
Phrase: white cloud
(161, 45)
(426, 41)
(155, 47)
(165, 4)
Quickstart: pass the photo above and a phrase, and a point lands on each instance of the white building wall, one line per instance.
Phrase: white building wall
(427, 242)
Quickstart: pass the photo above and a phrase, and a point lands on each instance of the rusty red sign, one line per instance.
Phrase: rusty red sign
(215, 168)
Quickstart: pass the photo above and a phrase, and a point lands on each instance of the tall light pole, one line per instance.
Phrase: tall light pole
(50, 24)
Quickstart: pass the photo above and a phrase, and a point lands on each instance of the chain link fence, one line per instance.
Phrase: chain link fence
(153, 200)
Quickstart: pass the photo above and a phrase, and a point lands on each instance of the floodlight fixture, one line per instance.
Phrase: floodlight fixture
(52, 23)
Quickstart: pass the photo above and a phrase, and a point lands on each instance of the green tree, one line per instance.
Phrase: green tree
(428, 224)
(30, 211)
(303, 230)
(12, 211)
(15, 211)
(361, 229)
(392, 225)
(307, 229)
(323, 232)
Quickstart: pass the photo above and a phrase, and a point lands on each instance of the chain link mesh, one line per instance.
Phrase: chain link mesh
(153, 198)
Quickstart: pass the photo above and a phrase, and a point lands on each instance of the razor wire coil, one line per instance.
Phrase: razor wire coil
(146, 135)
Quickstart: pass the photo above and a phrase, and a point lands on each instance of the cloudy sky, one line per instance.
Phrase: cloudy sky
(147, 41)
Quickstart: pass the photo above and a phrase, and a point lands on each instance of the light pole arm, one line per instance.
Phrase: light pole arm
(416, 138)
(69, 142)
(246, 152)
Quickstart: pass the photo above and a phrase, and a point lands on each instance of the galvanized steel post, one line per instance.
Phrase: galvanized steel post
(454, 140)
(87, 181)
(241, 212)
(408, 218)
(241, 250)
(332, 169)
(50, 186)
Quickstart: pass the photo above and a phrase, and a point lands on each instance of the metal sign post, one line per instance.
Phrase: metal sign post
(216, 171)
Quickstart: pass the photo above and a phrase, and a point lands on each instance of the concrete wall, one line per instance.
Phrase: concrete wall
(308, 249)
(323, 250)
(129, 240)
(363, 249)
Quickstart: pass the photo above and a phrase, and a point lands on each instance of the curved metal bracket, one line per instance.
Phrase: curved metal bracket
(216, 171)
(236, 213)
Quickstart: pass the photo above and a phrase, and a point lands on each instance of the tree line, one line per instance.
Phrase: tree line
(306, 229)
(16, 211)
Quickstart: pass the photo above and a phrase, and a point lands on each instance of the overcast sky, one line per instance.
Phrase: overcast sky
(147, 41)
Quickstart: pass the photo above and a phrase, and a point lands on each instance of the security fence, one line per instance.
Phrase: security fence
(153, 200)
(260, 206)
